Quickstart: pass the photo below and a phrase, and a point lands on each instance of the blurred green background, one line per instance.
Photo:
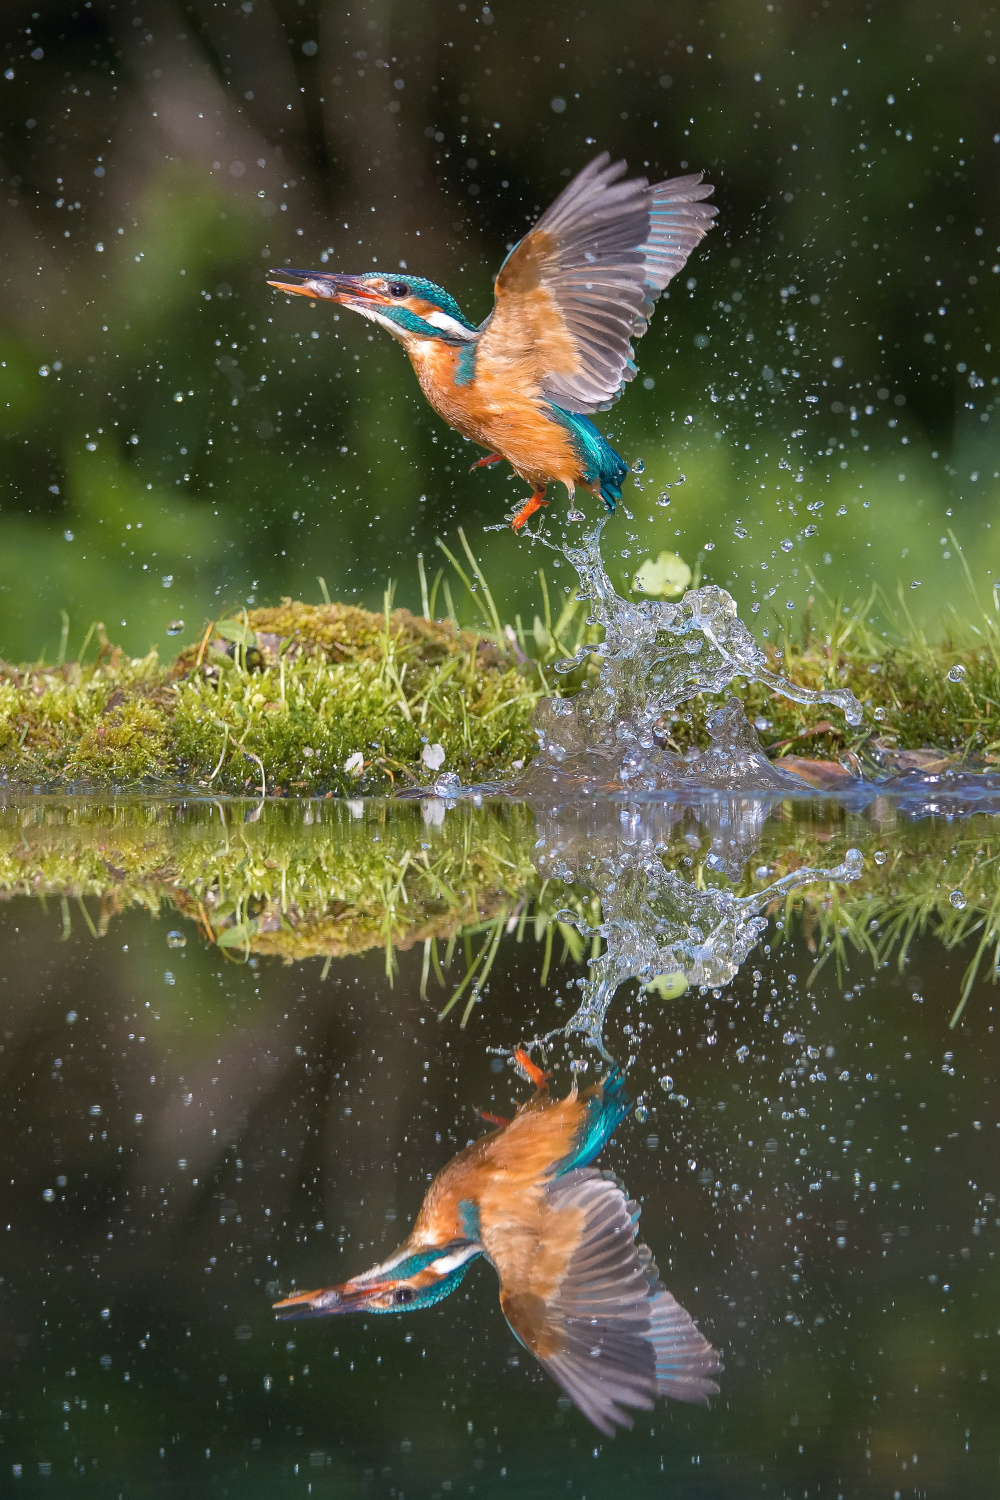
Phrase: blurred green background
(175, 437)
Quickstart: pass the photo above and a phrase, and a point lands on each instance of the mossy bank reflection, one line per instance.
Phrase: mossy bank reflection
(193, 1126)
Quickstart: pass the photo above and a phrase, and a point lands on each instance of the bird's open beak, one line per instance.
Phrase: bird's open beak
(350, 1297)
(324, 286)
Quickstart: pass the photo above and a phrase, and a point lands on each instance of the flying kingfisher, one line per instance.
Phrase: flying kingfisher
(576, 1289)
(569, 299)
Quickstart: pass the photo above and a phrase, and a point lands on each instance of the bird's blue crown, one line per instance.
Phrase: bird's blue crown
(428, 291)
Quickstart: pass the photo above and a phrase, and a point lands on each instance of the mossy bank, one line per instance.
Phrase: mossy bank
(333, 700)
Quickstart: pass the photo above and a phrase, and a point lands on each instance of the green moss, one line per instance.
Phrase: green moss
(319, 700)
(280, 698)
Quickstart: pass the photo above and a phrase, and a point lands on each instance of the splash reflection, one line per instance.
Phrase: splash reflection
(657, 927)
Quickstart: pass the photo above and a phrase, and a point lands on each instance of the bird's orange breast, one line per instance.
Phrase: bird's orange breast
(499, 408)
(502, 1176)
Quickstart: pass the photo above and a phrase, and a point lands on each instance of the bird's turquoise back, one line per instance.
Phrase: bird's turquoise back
(599, 459)
(604, 1113)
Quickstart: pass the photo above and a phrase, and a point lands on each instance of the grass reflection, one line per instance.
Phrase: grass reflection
(325, 880)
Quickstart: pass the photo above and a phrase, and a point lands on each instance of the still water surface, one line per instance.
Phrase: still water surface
(225, 1076)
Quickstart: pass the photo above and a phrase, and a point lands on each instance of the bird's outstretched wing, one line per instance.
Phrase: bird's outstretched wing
(580, 286)
(604, 1326)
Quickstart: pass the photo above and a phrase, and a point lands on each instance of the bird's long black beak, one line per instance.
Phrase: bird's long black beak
(324, 286)
(349, 1297)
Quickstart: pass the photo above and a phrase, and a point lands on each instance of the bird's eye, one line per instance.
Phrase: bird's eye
(403, 1294)
(398, 289)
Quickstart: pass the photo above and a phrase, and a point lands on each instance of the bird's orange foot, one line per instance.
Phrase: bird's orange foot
(497, 1120)
(533, 503)
(484, 463)
(530, 1070)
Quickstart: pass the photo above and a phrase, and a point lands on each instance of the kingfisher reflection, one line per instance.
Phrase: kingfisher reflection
(576, 1288)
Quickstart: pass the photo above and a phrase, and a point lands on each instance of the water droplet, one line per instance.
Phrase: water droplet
(638, 467)
(743, 1053)
(176, 939)
(740, 530)
(787, 545)
(880, 856)
(956, 674)
(174, 627)
(95, 1109)
(879, 715)
(958, 901)
(666, 1083)
(267, 1382)
(916, 583)
(70, 1017)
(579, 1065)
(688, 420)
(810, 531)
(49, 1195)
(789, 1038)
(663, 498)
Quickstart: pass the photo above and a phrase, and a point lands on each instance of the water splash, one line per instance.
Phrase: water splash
(658, 928)
(655, 656)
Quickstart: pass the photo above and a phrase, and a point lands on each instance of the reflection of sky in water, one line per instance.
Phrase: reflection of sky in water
(210, 1129)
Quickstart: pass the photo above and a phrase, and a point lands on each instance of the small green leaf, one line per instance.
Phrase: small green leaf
(666, 578)
(668, 986)
(235, 630)
(237, 937)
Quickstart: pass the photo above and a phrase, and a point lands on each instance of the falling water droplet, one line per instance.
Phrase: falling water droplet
(743, 1053)
(176, 939)
(880, 856)
(956, 674)
(174, 627)
(810, 531)
(663, 498)
(666, 1083)
(638, 467)
(641, 1113)
(688, 420)
(879, 714)
(579, 1065)
(958, 901)
(740, 530)
(787, 545)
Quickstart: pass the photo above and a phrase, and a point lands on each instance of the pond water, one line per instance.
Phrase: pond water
(239, 1040)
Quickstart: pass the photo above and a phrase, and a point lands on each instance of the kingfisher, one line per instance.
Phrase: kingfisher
(569, 300)
(576, 1288)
